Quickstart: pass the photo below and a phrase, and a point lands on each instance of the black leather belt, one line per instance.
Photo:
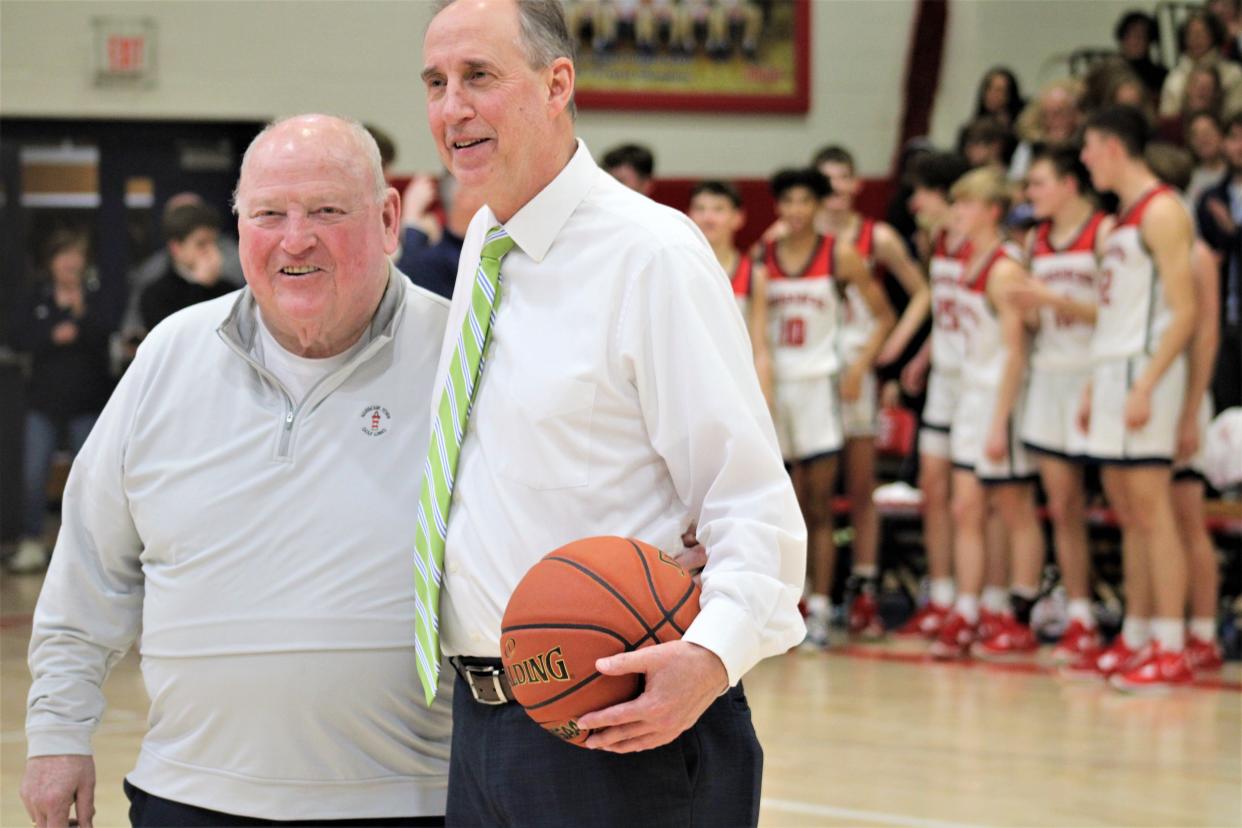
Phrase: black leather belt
(486, 678)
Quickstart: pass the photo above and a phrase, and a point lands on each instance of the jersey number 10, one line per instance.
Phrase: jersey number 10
(793, 332)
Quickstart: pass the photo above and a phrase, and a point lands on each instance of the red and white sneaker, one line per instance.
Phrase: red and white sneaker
(1011, 640)
(925, 623)
(1117, 657)
(990, 623)
(1203, 656)
(955, 639)
(1077, 640)
(1159, 672)
(865, 617)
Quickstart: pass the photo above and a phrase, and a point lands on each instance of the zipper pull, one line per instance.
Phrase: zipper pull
(289, 421)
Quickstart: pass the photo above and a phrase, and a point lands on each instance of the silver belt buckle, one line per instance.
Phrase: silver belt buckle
(485, 672)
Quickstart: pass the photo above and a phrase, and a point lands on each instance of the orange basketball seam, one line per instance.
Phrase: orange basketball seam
(564, 693)
(600, 580)
(642, 559)
(667, 613)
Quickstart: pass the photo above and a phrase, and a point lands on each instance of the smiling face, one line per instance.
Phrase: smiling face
(1058, 115)
(313, 234)
(1102, 155)
(1047, 191)
(499, 124)
(1202, 90)
(1204, 139)
(796, 207)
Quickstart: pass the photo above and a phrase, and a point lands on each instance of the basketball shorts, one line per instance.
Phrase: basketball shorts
(942, 392)
(969, 434)
(1108, 439)
(808, 418)
(859, 417)
(1050, 419)
(1196, 466)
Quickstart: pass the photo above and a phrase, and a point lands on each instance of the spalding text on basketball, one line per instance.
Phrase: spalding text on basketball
(545, 667)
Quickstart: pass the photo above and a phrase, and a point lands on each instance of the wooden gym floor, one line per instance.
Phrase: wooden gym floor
(865, 735)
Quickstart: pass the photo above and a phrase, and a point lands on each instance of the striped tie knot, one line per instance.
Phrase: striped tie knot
(496, 244)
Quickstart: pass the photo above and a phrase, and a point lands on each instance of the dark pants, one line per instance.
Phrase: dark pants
(1227, 383)
(149, 811)
(505, 770)
(43, 436)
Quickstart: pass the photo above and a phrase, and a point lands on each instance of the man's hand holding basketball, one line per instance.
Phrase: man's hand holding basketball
(681, 681)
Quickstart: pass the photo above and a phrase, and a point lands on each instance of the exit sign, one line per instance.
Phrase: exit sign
(124, 50)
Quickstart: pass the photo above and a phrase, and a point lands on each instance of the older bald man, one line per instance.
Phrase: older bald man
(228, 499)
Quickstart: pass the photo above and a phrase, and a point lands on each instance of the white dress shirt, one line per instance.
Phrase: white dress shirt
(618, 398)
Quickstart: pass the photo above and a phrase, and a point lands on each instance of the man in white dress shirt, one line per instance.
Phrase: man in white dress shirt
(242, 496)
(617, 397)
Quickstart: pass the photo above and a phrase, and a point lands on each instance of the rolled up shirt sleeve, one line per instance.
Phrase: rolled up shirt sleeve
(686, 346)
(90, 608)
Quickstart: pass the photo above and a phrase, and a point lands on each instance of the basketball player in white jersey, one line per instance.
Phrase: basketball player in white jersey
(991, 470)
(1063, 254)
(882, 251)
(1175, 166)
(937, 367)
(806, 274)
(716, 207)
(1144, 323)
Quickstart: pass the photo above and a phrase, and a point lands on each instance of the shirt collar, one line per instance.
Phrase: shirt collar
(534, 227)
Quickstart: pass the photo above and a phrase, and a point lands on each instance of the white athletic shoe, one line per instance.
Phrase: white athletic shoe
(816, 632)
(31, 556)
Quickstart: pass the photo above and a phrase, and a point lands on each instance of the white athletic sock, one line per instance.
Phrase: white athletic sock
(1170, 632)
(967, 606)
(942, 592)
(1203, 629)
(1134, 632)
(865, 570)
(818, 605)
(995, 599)
(1079, 610)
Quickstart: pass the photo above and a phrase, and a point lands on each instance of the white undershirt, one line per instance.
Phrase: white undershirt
(297, 373)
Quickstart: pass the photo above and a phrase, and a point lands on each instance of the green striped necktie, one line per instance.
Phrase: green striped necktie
(448, 429)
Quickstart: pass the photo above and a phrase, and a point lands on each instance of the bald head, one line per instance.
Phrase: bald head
(341, 141)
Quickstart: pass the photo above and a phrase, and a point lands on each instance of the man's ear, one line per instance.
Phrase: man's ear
(390, 214)
(560, 84)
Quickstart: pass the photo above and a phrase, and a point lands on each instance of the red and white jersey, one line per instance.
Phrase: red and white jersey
(803, 314)
(945, 272)
(857, 321)
(984, 350)
(1132, 312)
(1063, 343)
(741, 280)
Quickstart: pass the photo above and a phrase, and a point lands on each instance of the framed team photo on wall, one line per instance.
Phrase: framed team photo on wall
(697, 55)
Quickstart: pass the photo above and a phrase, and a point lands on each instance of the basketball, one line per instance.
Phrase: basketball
(592, 598)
